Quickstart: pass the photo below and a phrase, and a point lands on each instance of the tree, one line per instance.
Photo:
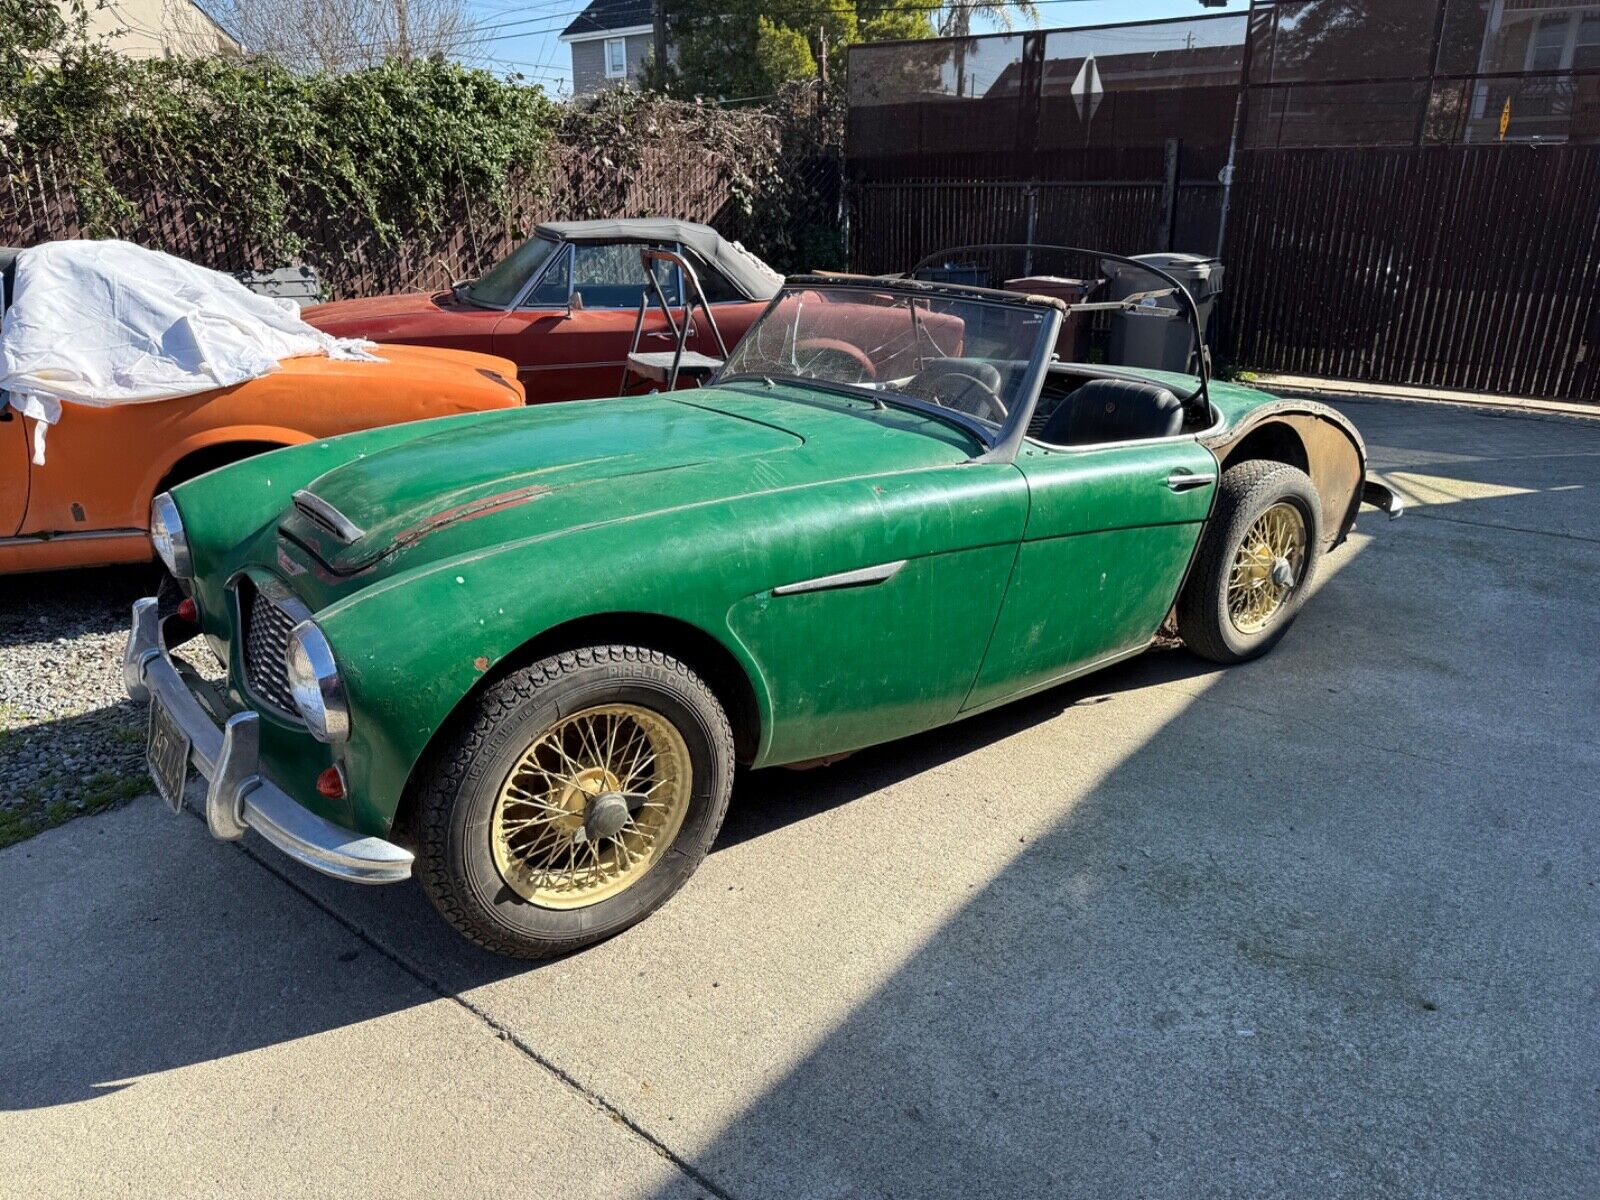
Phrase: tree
(957, 18)
(957, 23)
(734, 49)
(346, 35)
(32, 33)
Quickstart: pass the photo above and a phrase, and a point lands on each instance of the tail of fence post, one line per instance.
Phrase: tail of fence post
(1169, 194)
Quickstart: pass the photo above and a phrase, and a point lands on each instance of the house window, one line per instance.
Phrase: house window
(1563, 41)
(616, 58)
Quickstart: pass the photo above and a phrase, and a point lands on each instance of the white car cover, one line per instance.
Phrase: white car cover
(106, 323)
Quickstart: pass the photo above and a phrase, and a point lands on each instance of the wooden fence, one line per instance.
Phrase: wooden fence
(1462, 267)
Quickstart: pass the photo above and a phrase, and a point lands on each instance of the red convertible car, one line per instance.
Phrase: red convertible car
(563, 305)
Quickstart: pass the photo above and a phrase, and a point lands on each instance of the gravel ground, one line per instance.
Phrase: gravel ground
(71, 741)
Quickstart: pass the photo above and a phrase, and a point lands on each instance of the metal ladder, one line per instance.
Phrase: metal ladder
(666, 367)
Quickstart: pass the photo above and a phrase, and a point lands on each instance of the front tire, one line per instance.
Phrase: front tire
(575, 797)
(1256, 559)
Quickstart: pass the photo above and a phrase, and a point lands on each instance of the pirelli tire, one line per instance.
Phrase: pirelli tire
(1255, 563)
(573, 799)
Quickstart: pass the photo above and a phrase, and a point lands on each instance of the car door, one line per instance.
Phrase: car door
(880, 624)
(1109, 537)
(14, 468)
(570, 337)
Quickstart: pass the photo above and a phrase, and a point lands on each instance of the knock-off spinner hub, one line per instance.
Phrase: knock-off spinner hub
(607, 814)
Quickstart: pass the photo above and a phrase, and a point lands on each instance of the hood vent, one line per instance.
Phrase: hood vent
(327, 516)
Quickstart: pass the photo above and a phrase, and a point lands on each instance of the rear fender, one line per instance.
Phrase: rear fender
(1335, 456)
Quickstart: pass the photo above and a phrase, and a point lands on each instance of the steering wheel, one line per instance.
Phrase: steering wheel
(963, 391)
(833, 360)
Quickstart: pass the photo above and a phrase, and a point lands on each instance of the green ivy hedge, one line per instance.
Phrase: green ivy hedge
(266, 157)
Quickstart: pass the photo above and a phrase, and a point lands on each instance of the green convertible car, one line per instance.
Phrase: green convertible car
(519, 654)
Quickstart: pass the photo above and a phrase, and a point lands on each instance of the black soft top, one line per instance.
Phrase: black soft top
(744, 270)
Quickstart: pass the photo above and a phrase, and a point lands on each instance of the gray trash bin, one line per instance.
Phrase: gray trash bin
(1156, 334)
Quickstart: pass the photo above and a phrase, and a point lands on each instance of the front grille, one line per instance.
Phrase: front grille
(266, 640)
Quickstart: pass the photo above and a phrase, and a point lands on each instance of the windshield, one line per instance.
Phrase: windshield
(499, 285)
(964, 355)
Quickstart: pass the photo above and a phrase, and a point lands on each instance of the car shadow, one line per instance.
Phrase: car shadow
(51, 605)
(143, 945)
(767, 800)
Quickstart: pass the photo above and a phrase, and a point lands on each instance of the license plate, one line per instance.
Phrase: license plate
(167, 755)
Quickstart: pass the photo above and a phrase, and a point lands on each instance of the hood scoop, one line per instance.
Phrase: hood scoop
(328, 517)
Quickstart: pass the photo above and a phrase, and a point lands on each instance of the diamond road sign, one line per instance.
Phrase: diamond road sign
(1087, 90)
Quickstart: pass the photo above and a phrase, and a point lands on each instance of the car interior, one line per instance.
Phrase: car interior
(1086, 406)
(8, 275)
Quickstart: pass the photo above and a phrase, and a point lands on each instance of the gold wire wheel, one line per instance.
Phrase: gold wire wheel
(591, 805)
(1267, 568)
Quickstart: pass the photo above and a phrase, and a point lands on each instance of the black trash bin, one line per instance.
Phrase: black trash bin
(1156, 333)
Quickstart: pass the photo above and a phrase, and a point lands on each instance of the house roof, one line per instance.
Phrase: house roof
(603, 16)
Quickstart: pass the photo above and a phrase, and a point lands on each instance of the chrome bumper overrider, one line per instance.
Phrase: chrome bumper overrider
(1380, 495)
(238, 796)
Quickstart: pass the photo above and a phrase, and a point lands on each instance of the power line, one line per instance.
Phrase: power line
(803, 10)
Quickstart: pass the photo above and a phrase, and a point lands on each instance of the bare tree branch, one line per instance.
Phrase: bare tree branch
(346, 35)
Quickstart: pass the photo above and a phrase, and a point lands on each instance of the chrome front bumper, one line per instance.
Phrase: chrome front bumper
(238, 796)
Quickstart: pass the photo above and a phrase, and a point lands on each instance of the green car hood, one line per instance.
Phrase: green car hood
(523, 472)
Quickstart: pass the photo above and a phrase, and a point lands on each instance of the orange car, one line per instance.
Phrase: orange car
(89, 504)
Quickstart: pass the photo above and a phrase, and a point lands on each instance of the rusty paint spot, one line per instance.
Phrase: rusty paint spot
(481, 507)
(481, 663)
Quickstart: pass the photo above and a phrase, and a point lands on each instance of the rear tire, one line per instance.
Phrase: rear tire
(1257, 556)
(514, 815)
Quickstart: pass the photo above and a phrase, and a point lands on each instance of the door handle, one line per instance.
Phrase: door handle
(1185, 481)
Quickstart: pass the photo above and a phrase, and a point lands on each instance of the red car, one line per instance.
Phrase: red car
(562, 305)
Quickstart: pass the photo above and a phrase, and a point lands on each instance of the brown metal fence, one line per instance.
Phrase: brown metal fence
(1127, 202)
(1417, 182)
(1457, 267)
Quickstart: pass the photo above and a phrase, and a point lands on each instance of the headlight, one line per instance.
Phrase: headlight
(171, 542)
(315, 685)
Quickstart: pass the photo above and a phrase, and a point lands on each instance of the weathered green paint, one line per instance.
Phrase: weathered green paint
(1105, 550)
(483, 531)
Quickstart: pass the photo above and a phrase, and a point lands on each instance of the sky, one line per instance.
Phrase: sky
(525, 35)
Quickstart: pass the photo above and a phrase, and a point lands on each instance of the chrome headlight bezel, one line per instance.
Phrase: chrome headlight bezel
(315, 684)
(169, 537)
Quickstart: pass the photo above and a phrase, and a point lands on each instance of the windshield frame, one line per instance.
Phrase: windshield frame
(1000, 443)
(463, 290)
(1186, 301)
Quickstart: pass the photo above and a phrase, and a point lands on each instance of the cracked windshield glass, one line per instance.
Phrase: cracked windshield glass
(967, 356)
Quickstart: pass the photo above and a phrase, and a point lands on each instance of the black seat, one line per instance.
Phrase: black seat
(8, 275)
(1114, 410)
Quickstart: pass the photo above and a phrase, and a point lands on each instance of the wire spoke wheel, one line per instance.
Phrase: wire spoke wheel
(1268, 567)
(591, 805)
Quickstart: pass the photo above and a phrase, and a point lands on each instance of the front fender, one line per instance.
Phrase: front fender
(413, 647)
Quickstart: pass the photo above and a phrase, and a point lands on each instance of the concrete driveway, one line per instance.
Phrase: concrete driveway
(1324, 925)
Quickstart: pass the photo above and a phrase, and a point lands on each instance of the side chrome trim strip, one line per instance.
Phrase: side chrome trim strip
(75, 535)
(844, 579)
